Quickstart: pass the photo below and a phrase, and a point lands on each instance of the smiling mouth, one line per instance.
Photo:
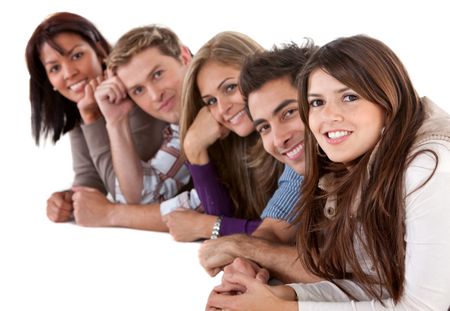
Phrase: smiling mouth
(79, 86)
(337, 134)
(167, 105)
(237, 117)
(295, 152)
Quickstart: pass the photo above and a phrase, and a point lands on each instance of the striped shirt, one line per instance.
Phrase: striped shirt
(165, 173)
(284, 199)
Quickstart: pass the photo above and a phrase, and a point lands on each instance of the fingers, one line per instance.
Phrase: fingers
(214, 271)
(111, 91)
(239, 278)
(262, 276)
(59, 208)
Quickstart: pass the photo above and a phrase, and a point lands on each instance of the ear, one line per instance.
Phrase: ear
(186, 55)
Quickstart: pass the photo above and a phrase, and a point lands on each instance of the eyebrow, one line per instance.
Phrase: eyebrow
(342, 90)
(152, 71)
(277, 109)
(65, 52)
(219, 86)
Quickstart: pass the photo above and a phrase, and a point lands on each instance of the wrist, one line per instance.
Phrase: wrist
(215, 232)
(196, 154)
(90, 116)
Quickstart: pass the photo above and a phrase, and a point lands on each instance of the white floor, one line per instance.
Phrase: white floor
(47, 266)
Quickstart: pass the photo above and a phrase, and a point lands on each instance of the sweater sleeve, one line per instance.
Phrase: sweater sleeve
(212, 193)
(231, 225)
(84, 169)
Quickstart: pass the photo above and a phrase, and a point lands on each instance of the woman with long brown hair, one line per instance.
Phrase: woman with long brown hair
(374, 212)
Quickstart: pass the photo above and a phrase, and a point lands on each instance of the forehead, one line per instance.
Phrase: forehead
(143, 63)
(263, 102)
(213, 73)
(61, 44)
(321, 81)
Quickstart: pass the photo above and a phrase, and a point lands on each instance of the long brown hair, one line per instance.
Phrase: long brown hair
(328, 245)
(249, 173)
(51, 113)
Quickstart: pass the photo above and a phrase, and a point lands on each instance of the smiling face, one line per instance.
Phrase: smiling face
(70, 71)
(218, 86)
(154, 82)
(274, 109)
(344, 124)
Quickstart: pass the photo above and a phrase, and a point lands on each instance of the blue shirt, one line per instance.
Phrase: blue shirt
(283, 201)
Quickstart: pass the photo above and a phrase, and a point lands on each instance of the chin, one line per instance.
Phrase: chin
(243, 132)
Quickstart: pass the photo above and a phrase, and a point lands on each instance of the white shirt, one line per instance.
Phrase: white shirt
(427, 262)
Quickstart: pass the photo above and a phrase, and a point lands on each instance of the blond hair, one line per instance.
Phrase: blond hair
(249, 173)
(141, 38)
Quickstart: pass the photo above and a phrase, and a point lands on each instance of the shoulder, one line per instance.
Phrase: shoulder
(428, 175)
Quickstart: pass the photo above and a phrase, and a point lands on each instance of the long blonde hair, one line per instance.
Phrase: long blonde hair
(249, 173)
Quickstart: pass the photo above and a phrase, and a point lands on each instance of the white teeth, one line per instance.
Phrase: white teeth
(295, 151)
(337, 134)
(235, 119)
(78, 86)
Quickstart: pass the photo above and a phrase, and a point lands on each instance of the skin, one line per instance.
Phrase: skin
(93, 209)
(73, 74)
(223, 111)
(153, 81)
(274, 109)
(218, 88)
(344, 124)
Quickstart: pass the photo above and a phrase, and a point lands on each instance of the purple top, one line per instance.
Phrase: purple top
(217, 201)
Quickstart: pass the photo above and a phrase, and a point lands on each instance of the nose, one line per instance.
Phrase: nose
(154, 93)
(69, 70)
(223, 106)
(332, 111)
(281, 135)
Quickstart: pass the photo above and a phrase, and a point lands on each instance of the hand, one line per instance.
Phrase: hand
(91, 207)
(87, 105)
(214, 255)
(60, 206)
(256, 297)
(187, 225)
(244, 266)
(202, 133)
(112, 98)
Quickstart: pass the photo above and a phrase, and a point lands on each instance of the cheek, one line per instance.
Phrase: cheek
(313, 123)
(215, 113)
(267, 144)
(96, 67)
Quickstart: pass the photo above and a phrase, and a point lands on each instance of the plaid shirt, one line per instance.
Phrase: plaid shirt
(165, 173)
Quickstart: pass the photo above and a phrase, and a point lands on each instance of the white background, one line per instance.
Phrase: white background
(45, 266)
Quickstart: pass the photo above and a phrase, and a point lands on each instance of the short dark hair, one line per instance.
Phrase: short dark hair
(51, 113)
(284, 61)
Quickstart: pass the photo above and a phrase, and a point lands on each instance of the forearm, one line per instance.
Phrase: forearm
(212, 193)
(126, 161)
(231, 225)
(143, 217)
(97, 141)
(85, 173)
(281, 260)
